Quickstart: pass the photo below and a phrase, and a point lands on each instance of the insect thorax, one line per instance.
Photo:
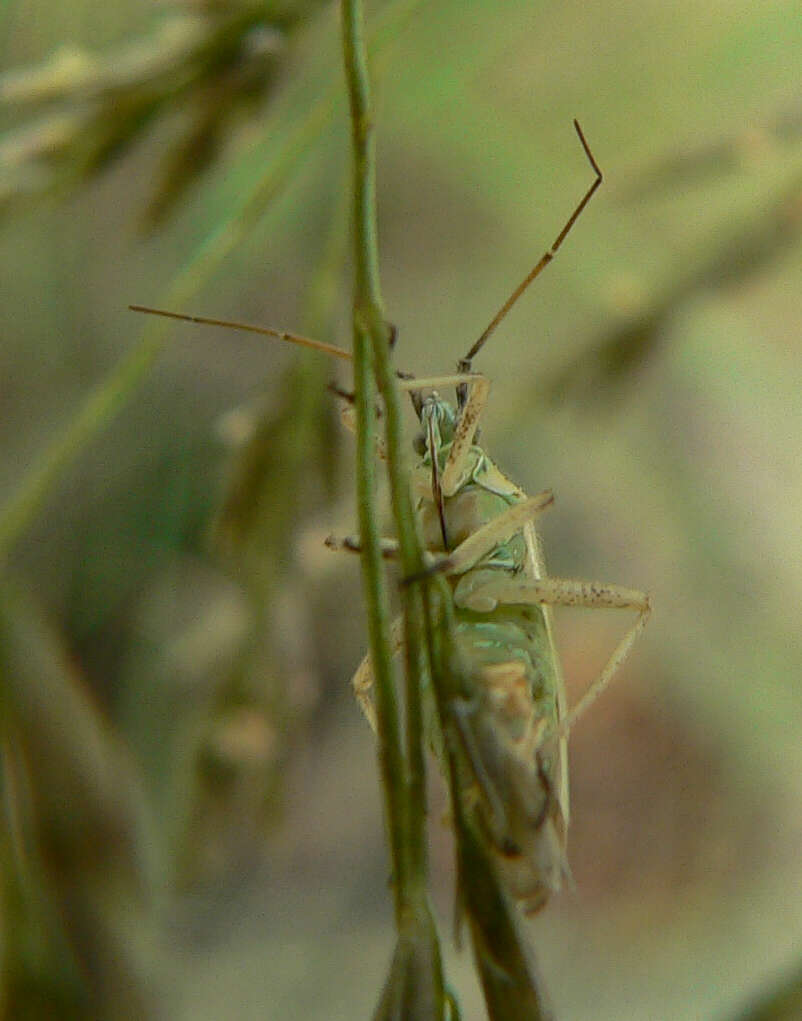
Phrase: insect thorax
(472, 506)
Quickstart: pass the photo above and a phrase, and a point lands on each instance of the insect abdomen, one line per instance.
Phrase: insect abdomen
(509, 717)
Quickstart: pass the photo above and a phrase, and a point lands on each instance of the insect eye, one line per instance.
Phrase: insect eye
(419, 444)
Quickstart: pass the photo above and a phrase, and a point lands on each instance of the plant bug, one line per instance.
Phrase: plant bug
(478, 527)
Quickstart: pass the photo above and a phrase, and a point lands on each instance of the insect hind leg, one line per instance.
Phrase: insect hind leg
(568, 592)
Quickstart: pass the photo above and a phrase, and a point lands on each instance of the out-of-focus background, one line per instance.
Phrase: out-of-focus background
(193, 824)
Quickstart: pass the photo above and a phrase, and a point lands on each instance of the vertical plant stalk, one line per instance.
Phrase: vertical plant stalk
(391, 759)
(414, 987)
(405, 790)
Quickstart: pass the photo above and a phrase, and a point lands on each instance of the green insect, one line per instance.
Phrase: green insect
(478, 528)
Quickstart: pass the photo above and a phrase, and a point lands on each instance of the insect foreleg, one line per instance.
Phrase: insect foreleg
(351, 544)
(464, 433)
(567, 592)
(467, 423)
(497, 531)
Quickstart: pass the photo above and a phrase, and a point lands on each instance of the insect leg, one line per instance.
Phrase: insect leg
(567, 592)
(348, 419)
(351, 544)
(464, 433)
(362, 681)
(465, 430)
(407, 383)
(481, 542)
(498, 530)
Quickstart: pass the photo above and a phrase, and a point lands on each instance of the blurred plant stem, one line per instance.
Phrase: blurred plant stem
(782, 1003)
(415, 987)
(76, 878)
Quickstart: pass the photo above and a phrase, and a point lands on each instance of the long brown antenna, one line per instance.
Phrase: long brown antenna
(291, 338)
(465, 363)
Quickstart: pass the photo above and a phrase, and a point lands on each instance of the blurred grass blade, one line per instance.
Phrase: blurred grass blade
(690, 165)
(783, 1003)
(747, 248)
(212, 67)
(77, 890)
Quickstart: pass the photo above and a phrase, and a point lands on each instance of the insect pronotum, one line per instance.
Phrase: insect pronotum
(478, 529)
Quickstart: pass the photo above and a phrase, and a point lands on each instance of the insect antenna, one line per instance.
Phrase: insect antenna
(291, 338)
(464, 365)
(317, 345)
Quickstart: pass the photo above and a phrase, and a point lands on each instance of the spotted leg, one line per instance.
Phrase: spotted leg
(567, 592)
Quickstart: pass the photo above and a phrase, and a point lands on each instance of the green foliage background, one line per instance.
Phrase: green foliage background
(651, 378)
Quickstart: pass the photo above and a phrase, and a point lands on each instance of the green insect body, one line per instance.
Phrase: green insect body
(508, 717)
